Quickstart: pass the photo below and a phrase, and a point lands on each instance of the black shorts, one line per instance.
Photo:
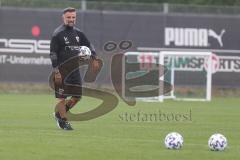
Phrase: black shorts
(72, 86)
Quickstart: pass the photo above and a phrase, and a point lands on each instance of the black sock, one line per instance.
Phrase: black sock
(57, 114)
(64, 119)
(67, 108)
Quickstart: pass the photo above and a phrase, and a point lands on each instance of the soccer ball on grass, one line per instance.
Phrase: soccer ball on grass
(173, 140)
(217, 142)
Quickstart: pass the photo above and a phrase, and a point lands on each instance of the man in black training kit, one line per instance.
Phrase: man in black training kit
(65, 43)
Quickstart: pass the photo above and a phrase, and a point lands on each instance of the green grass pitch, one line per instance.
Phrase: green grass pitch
(28, 130)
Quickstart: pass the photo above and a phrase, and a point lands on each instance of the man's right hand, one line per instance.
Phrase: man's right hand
(57, 77)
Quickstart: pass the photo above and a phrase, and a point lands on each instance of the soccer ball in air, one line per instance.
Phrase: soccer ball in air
(173, 140)
(217, 142)
(85, 52)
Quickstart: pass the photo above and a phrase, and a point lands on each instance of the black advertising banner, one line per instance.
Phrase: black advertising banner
(202, 32)
(25, 37)
(24, 44)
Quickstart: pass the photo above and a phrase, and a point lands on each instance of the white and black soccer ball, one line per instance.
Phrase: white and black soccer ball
(173, 140)
(217, 142)
(84, 52)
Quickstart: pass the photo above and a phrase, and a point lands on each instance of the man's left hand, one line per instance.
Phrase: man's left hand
(95, 65)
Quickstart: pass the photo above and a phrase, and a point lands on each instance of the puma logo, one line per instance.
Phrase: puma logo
(212, 33)
(193, 37)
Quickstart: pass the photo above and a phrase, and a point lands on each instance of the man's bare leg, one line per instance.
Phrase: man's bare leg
(61, 116)
(71, 103)
(60, 108)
